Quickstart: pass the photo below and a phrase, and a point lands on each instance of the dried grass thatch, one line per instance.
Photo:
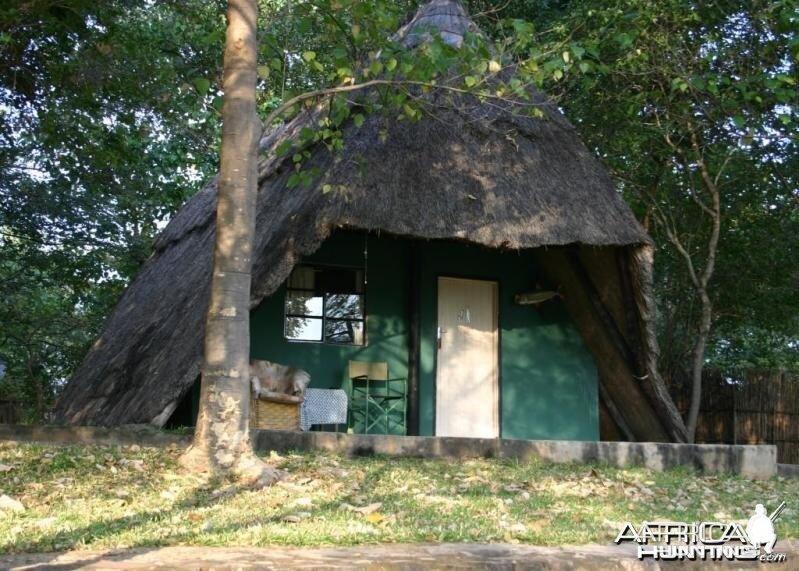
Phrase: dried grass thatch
(474, 172)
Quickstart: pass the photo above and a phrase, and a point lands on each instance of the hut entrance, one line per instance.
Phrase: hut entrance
(467, 395)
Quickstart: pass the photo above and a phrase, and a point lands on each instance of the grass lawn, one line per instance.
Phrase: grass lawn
(111, 497)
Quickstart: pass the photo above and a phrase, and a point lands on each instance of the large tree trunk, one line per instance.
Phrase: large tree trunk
(221, 440)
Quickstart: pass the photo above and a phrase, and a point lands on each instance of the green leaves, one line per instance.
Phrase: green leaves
(663, 85)
(283, 148)
(202, 85)
(678, 83)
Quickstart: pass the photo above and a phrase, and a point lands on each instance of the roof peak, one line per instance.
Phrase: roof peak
(448, 18)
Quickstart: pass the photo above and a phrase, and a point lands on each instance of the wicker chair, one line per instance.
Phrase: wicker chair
(275, 411)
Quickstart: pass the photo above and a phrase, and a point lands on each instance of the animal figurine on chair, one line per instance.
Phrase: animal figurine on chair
(267, 377)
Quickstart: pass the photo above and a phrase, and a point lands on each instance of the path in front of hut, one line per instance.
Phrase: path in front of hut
(418, 556)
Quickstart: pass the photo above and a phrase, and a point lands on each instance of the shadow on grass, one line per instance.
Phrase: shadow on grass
(200, 496)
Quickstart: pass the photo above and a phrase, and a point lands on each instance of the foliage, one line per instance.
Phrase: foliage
(110, 122)
(678, 85)
(106, 131)
(85, 497)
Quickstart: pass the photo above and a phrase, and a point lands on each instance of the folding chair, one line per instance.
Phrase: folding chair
(378, 403)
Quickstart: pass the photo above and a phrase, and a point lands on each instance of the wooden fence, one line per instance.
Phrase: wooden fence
(751, 407)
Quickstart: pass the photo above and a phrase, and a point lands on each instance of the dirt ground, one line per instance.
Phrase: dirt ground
(398, 556)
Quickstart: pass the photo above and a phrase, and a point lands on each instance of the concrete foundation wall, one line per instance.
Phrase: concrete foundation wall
(751, 461)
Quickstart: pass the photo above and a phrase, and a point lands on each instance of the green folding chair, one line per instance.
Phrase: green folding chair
(378, 403)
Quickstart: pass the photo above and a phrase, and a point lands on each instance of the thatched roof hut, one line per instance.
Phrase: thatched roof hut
(481, 174)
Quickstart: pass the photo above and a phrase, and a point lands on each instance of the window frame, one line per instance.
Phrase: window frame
(324, 318)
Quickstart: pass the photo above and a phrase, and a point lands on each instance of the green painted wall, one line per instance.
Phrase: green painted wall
(386, 308)
(548, 381)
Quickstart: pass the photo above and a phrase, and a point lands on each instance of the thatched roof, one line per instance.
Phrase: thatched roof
(480, 173)
(448, 19)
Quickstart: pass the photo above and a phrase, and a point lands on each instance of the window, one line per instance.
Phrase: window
(325, 305)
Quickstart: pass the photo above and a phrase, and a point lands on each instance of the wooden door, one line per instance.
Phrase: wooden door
(467, 392)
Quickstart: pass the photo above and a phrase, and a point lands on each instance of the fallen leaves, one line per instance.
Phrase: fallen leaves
(368, 509)
(136, 464)
(334, 500)
(370, 512)
(296, 518)
(292, 518)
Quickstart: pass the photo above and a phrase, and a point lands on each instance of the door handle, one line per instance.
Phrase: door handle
(440, 335)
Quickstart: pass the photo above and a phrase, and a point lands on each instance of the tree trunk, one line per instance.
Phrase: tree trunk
(37, 389)
(699, 280)
(221, 440)
(698, 365)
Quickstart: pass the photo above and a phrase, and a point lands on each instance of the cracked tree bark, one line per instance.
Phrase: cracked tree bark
(221, 443)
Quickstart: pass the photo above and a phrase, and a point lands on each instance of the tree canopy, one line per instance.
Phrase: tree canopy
(110, 121)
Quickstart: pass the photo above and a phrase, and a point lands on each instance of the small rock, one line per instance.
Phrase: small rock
(304, 501)
(525, 495)
(8, 503)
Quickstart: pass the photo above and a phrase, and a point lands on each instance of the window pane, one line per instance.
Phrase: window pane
(345, 331)
(304, 328)
(303, 303)
(344, 305)
(338, 280)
